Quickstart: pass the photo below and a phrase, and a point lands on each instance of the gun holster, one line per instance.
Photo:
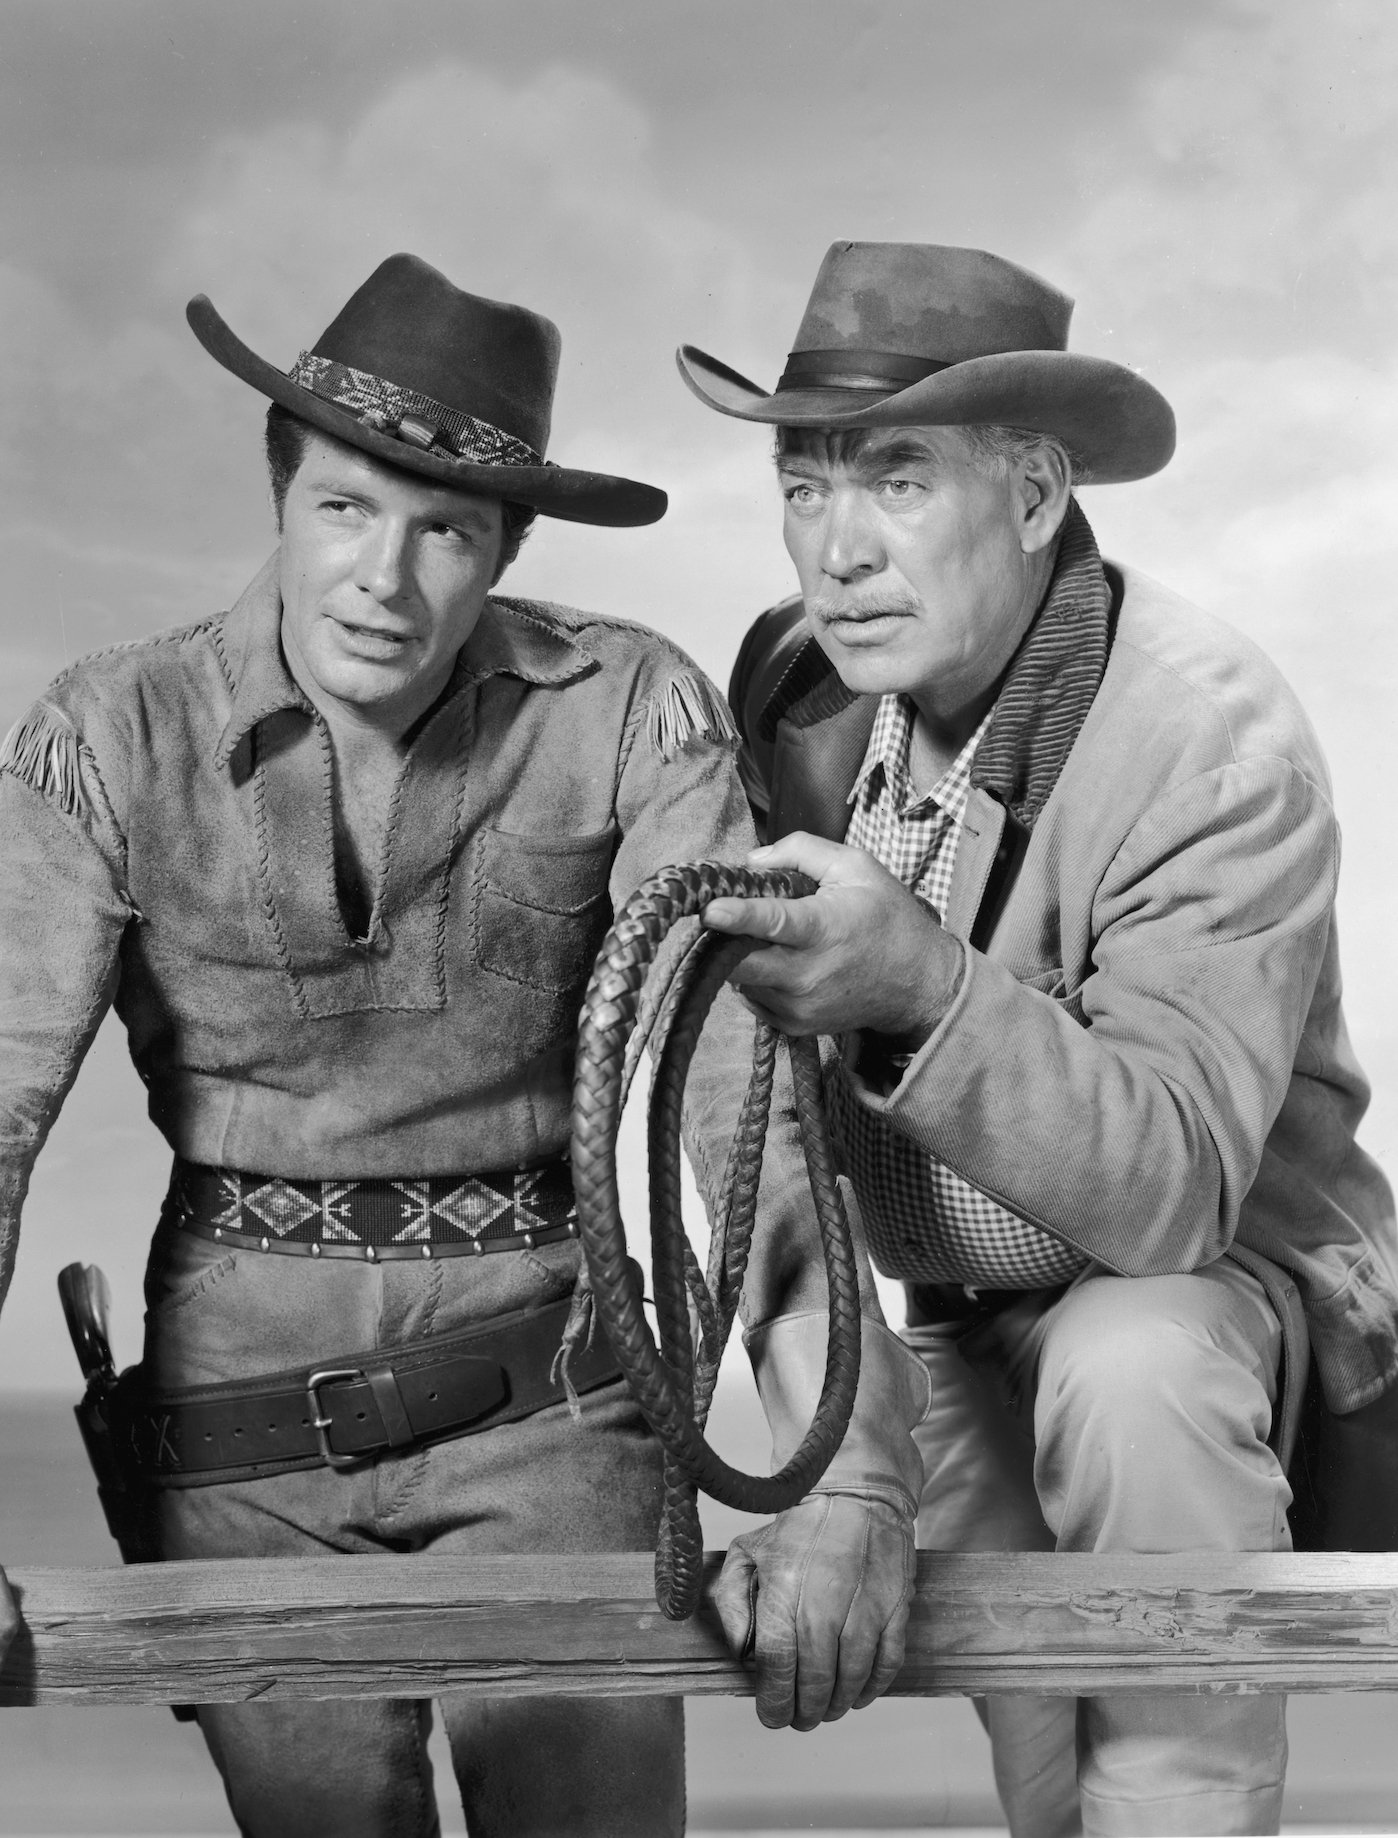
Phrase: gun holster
(124, 1495)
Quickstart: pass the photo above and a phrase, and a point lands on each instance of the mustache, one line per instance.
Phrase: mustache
(830, 606)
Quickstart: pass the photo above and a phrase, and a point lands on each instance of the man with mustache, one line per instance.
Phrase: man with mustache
(1074, 949)
(342, 858)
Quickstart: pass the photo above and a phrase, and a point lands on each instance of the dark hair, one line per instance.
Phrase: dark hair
(286, 441)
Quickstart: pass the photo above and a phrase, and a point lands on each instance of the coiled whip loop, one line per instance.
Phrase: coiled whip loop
(672, 1385)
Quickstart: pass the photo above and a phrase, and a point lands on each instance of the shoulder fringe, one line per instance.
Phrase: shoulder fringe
(687, 707)
(41, 751)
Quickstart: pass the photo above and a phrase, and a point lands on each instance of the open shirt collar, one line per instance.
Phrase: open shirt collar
(890, 745)
(509, 638)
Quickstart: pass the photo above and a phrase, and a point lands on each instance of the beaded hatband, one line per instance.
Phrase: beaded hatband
(418, 419)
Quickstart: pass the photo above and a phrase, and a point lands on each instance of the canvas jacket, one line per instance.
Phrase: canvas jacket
(166, 825)
(1146, 1055)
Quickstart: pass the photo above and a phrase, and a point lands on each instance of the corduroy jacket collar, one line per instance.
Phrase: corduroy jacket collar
(506, 639)
(1052, 680)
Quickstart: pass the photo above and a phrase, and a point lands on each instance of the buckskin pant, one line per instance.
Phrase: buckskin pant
(526, 1767)
(1132, 1414)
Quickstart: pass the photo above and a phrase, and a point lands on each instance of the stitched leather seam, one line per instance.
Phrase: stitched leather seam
(264, 878)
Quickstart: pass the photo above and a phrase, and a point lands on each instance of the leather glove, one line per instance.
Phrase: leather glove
(819, 1598)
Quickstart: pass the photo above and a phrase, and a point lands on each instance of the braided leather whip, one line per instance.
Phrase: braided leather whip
(672, 1385)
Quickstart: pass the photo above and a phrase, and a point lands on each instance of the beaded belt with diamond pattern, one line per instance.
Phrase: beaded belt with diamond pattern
(431, 1216)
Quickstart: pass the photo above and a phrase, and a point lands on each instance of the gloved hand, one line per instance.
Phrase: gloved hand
(820, 1597)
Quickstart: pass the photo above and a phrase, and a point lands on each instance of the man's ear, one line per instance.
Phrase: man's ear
(1043, 487)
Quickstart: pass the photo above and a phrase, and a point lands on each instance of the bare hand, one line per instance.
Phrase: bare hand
(862, 952)
(819, 1599)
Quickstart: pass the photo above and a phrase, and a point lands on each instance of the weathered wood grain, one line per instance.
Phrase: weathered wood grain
(419, 1626)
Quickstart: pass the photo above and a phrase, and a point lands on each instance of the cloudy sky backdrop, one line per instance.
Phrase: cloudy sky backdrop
(1213, 180)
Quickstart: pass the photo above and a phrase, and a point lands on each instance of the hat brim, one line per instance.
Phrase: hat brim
(554, 491)
(1120, 426)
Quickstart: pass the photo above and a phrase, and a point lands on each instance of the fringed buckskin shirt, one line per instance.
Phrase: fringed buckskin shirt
(166, 824)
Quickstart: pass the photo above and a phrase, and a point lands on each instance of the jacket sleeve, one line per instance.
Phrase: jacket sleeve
(680, 800)
(1128, 1117)
(62, 914)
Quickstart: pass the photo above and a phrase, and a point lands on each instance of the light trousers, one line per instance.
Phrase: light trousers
(1132, 1414)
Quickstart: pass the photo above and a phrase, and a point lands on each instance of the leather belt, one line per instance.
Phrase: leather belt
(929, 1303)
(374, 1218)
(345, 1410)
(417, 1250)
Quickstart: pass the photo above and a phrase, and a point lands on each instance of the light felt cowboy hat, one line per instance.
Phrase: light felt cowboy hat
(916, 335)
(423, 376)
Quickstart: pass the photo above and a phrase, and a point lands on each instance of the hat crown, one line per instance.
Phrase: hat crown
(483, 358)
(928, 301)
(921, 335)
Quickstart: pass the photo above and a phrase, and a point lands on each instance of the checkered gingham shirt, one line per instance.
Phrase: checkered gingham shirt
(924, 1222)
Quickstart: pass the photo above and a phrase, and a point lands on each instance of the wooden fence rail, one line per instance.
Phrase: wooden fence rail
(419, 1626)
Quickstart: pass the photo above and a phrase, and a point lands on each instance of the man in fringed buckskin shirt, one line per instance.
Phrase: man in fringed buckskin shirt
(341, 859)
(1074, 948)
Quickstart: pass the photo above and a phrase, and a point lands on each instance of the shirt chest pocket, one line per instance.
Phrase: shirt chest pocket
(540, 907)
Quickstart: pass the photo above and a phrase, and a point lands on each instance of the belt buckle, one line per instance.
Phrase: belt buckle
(321, 1424)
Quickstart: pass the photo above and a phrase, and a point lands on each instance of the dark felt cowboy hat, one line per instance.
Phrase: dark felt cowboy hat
(440, 382)
(915, 335)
